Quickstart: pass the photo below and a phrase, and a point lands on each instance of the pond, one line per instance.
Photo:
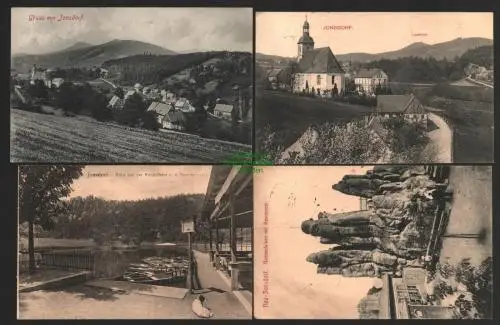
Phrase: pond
(114, 263)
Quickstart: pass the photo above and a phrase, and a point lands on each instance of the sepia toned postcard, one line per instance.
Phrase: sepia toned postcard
(120, 85)
(329, 92)
(135, 242)
(373, 242)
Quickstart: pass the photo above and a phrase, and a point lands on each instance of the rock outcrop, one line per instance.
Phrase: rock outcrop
(390, 234)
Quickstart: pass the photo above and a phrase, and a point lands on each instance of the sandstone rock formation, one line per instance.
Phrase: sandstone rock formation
(390, 234)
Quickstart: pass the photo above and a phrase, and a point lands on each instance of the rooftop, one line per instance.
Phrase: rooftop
(320, 60)
(394, 103)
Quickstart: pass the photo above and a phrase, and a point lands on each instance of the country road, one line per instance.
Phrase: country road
(441, 139)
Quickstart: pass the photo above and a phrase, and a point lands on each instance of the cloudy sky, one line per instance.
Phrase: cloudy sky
(295, 194)
(141, 182)
(277, 33)
(177, 29)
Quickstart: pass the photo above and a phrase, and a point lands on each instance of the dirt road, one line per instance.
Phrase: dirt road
(441, 139)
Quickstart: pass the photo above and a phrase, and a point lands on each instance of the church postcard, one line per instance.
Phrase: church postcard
(373, 242)
(374, 87)
(130, 85)
(135, 242)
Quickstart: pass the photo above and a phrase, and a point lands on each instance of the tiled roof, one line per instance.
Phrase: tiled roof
(223, 108)
(175, 117)
(393, 103)
(368, 73)
(115, 100)
(159, 108)
(320, 60)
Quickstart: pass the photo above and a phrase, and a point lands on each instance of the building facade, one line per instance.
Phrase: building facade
(367, 80)
(406, 106)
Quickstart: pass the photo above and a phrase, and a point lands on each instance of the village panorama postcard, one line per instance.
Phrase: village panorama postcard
(119, 85)
(374, 88)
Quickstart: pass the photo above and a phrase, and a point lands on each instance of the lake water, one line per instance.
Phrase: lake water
(112, 263)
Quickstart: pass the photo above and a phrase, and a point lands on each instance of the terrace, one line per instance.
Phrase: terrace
(228, 209)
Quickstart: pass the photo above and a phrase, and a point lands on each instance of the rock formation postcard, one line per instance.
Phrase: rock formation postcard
(330, 91)
(138, 85)
(135, 242)
(373, 242)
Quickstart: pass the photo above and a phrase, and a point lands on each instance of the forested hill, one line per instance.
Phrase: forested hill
(414, 69)
(154, 69)
(128, 221)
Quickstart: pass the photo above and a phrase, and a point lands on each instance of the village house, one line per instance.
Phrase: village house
(168, 116)
(103, 73)
(159, 109)
(116, 103)
(57, 82)
(174, 120)
(317, 68)
(406, 106)
(223, 110)
(184, 105)
(367, 80)
(40, 74)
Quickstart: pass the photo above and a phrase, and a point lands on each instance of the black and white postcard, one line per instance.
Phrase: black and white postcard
(374, 242)
(135, 242)
(368, 88)
(160, 85)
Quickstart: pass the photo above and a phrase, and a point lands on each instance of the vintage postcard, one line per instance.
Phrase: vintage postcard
(119, 85)
(373, 242)
(135, 242)
(328, 91)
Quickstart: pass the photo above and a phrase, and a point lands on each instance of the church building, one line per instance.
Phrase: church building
(317, 68)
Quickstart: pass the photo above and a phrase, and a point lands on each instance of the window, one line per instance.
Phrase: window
(414, 295)
(318, 79)
(333, 79)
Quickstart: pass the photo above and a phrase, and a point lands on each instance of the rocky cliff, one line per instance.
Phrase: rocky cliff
(393, 232)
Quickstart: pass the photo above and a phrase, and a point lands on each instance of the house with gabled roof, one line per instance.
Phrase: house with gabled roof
(159, 109)
(407, 106)
(366, 80)
(317, 69)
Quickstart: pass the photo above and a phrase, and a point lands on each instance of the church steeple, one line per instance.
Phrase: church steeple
(305, 42)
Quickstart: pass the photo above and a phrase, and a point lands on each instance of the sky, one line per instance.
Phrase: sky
(277, 33)
(296, 291)
(125, 183)
(177, 29)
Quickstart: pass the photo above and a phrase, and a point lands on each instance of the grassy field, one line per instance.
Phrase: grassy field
(468, 109)
(473, 128)
(48, 138)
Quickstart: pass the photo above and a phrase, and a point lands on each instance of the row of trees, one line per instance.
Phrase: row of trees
(41, 205)
(415, 69)
(131, 222)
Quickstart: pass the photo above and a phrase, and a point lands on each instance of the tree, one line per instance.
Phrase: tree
(38, 90)
(40, 190)
(99, 107)
(133, 110)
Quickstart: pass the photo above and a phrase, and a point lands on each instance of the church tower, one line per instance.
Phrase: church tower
(305, 42)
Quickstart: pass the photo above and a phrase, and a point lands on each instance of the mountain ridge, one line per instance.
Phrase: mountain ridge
(449, 50)
(78, 54)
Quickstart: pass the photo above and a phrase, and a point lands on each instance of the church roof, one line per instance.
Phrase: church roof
(320, 60)
(305, 39)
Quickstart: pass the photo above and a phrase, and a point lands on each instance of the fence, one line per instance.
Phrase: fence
(74, 259)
